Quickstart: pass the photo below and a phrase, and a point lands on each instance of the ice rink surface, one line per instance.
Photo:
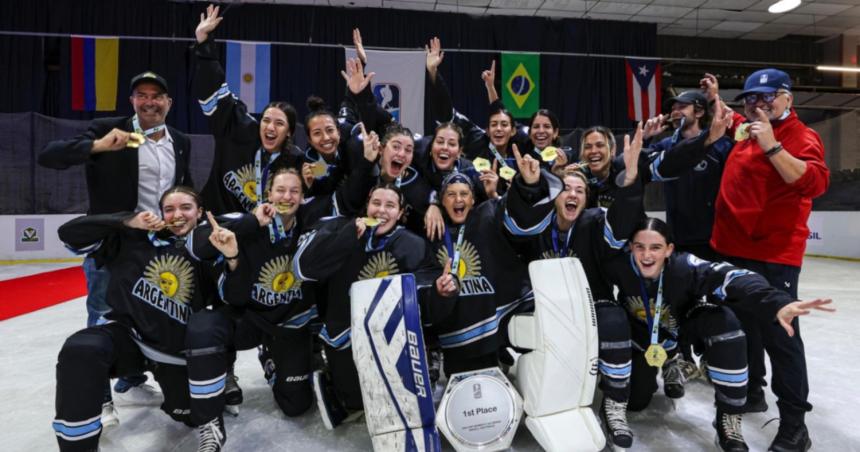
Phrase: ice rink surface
(30, 344)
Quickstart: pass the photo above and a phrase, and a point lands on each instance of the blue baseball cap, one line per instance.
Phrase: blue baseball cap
(765, 81)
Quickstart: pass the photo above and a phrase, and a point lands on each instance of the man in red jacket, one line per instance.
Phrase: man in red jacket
(774, 170)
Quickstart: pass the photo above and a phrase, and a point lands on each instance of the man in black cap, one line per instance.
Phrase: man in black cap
(130, 162)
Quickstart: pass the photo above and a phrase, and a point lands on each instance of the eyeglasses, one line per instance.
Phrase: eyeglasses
(768, 98)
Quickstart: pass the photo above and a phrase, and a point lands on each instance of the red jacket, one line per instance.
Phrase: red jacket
(758, 215)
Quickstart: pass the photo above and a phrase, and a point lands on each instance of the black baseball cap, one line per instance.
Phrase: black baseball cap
(696, 98)
(150, 77)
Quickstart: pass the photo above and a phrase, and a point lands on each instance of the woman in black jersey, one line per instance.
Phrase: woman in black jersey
(566, 228)
(244, 148)
(270, 306)
(158, 284)
(492, 281)
(340, 251)
(665, 292)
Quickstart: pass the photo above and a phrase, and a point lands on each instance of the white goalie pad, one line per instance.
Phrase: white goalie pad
(557, 378)
(388, 349)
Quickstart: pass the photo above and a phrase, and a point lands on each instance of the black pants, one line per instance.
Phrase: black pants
(290, 351)
(787, 358)
(717, 328)
(614, 354)
(88, 359)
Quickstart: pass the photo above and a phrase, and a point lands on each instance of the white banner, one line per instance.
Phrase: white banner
(398, 84)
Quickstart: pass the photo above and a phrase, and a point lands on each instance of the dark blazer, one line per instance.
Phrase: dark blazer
(112, 176)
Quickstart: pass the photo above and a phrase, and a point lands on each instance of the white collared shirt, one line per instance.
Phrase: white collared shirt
(156, 170)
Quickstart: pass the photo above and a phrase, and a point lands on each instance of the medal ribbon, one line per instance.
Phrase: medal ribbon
(555, 231)
(370, 247)
(653, 323)
(498, 156)
(135, 123)
(261, 176)
(454, 251)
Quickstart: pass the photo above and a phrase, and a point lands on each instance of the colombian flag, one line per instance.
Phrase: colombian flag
(94, 73)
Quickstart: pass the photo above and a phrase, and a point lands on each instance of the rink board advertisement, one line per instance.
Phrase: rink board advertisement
(830, 234)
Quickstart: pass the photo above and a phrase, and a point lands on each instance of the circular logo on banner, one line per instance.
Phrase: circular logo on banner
(480, 410)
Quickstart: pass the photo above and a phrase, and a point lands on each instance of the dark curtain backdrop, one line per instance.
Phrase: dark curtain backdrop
(34, 71)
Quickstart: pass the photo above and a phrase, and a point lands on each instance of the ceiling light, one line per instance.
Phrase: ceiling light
(783, 6)
(838, 68)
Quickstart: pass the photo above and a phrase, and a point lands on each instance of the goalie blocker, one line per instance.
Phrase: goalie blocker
(388, 344)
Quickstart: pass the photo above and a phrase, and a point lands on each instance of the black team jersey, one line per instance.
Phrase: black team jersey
(689, 282)
(595, 236)
(493, 283)
(332, 254)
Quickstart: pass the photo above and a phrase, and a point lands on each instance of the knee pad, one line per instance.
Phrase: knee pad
(558, 377)
(295, 400)
(388, 344)
(87, 346)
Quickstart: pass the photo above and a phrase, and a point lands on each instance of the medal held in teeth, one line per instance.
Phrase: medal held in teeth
(283, 207)
(371, 222)
(655, 356)
(549, 154)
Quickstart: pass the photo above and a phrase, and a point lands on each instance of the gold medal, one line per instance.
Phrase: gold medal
(283, 207)
(549, 153)
(135, 140)
(655, 355)
(507, 173)
(319, 169)
(371, 222)
(481, 164)
(742, 132)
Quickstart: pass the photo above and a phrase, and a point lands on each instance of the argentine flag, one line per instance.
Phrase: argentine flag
(249, 72)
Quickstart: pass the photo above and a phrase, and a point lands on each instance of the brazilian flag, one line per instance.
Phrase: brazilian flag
(521, 83)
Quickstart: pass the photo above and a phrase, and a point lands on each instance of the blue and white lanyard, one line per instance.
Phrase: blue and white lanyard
(261, 177)
(502, 161)
(653, 323)
(454, 251)
(135, 123)
(561, 252)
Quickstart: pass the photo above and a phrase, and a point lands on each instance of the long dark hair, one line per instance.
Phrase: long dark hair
(452, 126)
(401, 198)
(553, 120)
(654, 224)
(180, 189)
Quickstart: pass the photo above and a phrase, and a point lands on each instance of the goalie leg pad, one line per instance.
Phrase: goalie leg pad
(388, 342)
(558, 377)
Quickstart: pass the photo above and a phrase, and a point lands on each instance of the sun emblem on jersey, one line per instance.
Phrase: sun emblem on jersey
(173, 275)
(248, 182)
(277, 275)
(470, 260)
(636, 307)
(379, 266)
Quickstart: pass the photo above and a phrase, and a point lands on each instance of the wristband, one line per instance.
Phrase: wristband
(231, 258)
(770, 152)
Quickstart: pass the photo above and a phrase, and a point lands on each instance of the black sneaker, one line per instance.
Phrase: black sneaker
(756, 402)
(331, 410)
(791, 438)
(614, 416)
(730, 437)
(673, 379)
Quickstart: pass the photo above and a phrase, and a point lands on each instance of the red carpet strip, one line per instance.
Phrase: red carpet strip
(20, 296)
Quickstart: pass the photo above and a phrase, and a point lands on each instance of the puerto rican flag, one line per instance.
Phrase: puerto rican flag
(644, 80)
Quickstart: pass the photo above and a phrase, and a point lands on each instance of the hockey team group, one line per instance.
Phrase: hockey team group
(267, 255)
